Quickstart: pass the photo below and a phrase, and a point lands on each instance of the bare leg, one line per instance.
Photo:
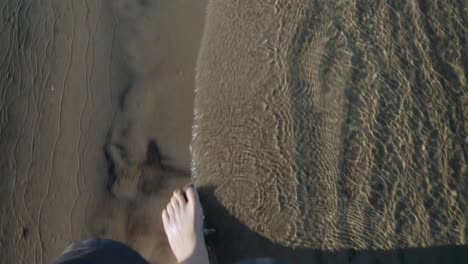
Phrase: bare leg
(183, 224)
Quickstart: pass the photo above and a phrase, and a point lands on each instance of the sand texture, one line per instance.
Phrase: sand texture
(96, 109)
(333, 125)
(324, 132)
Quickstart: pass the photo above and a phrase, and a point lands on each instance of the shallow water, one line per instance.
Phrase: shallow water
(334, 124)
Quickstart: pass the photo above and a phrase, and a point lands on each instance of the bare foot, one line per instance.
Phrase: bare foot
(183, 224)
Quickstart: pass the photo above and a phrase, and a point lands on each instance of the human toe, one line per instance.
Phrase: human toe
(191, 193)
(165, 216)
(179, 196)
(170, 210)
(175, 203)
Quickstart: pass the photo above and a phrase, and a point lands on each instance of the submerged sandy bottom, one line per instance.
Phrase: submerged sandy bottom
(331, 125)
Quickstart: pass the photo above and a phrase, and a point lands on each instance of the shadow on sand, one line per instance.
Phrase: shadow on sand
(234, 241)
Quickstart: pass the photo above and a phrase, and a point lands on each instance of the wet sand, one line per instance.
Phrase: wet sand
(332, 125)
(96, 109)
